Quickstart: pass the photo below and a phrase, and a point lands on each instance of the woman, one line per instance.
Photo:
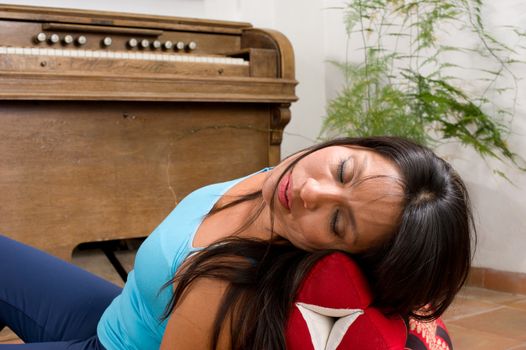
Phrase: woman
(402, 212)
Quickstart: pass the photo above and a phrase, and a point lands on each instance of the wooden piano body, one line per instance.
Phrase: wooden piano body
(100, 138)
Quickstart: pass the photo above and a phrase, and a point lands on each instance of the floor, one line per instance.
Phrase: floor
(479, 318)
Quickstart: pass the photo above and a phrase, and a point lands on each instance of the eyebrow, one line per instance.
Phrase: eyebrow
(350, 211)
(352, 220)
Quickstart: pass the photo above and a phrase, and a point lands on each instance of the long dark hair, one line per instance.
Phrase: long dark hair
(423, 265)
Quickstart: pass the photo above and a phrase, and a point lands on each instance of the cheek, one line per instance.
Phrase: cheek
(310, 230)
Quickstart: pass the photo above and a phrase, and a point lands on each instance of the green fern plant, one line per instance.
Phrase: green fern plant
(415, 92)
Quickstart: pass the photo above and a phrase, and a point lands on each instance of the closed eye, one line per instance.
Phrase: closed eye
(334, 223)
(341, 170)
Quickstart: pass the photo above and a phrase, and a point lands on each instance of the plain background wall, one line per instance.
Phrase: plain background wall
(315, 28)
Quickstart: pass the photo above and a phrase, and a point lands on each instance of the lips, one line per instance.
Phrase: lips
(284, 191)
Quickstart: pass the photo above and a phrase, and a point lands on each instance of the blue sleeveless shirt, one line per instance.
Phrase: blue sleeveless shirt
(132, 321)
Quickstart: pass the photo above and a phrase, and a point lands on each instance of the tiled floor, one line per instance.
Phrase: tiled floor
(479, 319)
(487, 320)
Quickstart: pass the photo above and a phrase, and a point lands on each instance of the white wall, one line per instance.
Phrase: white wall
(316, 31)
(500, 205)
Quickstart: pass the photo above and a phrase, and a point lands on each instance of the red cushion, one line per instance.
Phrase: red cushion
(337, 285)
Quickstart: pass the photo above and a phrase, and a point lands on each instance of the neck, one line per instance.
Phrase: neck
(260, 227)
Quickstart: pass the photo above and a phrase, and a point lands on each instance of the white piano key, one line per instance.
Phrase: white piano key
(146, 56)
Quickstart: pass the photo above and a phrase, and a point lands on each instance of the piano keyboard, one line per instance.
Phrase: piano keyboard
(121, 55)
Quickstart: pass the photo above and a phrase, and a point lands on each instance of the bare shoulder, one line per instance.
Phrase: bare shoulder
(191, 324)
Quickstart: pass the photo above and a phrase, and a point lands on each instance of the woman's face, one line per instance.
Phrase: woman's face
(339, 197)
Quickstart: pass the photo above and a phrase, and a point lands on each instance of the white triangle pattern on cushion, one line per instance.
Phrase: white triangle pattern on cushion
(327, 326)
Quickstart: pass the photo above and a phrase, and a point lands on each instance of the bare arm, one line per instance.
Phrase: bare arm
(191, 324)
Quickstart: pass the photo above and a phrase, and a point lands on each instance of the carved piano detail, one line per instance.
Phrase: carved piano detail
(107, 120)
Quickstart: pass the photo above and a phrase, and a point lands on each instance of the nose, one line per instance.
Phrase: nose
(315, 193)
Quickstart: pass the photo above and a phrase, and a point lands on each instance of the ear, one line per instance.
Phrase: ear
(332, 311)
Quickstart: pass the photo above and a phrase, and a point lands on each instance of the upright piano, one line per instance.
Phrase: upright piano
(107, 120)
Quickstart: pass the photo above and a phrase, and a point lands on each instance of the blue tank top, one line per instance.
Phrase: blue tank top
(132, 320)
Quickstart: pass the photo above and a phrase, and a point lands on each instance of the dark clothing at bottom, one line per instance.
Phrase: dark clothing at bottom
(49, 303)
